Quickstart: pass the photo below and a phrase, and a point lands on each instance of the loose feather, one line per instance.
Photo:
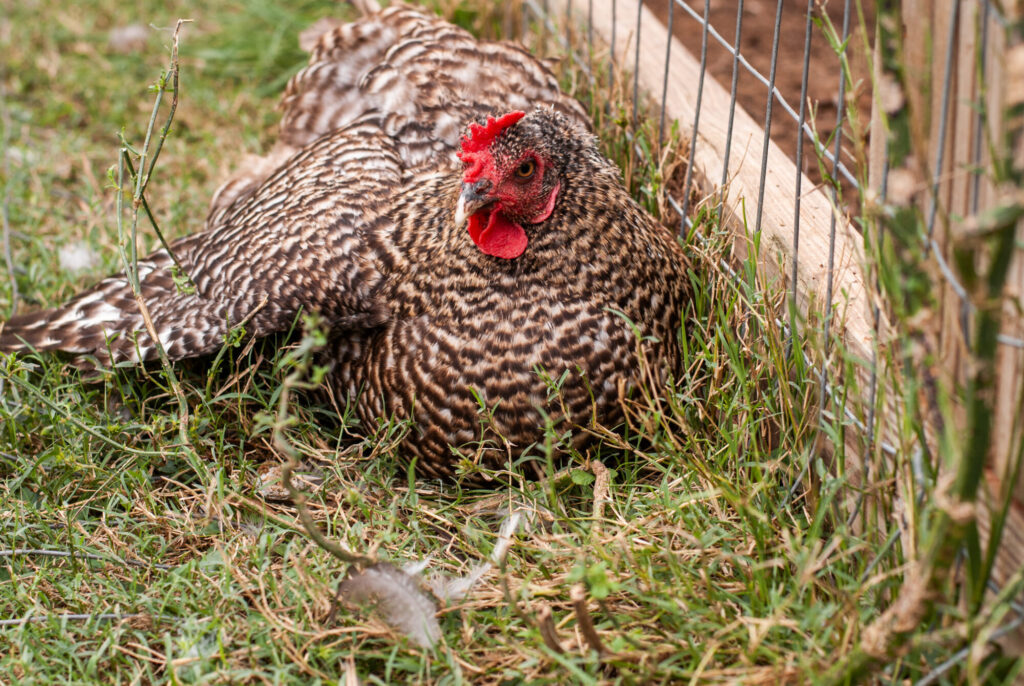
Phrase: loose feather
(398, 599)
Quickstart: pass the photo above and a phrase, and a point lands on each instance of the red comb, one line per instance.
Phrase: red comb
(481, 136)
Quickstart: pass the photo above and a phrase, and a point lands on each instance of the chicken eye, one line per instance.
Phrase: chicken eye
(526, 169)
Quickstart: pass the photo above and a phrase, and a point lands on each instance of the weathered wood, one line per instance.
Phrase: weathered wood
(957, 202)
(1010, 360)
(964, 121)
(940, 168)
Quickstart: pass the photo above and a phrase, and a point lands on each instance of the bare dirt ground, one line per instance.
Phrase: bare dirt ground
(758, 25)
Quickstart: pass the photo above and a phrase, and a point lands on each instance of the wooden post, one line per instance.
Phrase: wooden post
(1008, 431)
(957, 201)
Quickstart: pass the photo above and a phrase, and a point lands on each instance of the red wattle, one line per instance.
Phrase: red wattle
(495, 235)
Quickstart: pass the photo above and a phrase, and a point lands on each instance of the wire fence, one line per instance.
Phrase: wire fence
(740, 63)
(943, 140)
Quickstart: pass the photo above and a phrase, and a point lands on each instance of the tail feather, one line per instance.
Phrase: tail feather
(105, 325)
(101, 322)
(325, 95)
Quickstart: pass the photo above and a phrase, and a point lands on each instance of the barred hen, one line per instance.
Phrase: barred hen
(444, 207)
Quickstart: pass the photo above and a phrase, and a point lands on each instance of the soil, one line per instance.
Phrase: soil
(758, 26)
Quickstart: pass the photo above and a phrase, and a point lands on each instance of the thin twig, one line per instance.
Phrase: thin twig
(132, 263)
(145, 174)
(548, 631)
(149, 212)
(578, 595)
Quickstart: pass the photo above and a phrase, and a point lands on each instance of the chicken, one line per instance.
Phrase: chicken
(445, 209)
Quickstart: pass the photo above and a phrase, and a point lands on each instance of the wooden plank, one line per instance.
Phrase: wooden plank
(955, 199)
(950, 335)
(917, 59)
(964, 119)
(995, 49)
(1010, 360)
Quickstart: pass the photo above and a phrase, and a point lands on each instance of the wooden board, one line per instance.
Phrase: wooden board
(956, 202)
(1010, 361)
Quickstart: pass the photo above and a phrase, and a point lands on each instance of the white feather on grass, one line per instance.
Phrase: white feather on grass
(397, 595)
(447, 589)
(77, 257)
(399, 600)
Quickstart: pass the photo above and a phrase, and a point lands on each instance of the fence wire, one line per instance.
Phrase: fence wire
(839, 169)
(542, 12)
(700, 33)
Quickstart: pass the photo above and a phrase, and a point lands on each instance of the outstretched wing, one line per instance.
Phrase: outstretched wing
(302, 242)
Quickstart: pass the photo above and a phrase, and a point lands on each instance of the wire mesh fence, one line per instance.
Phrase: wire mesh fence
(880, 155)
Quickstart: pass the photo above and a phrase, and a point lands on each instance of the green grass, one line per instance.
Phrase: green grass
(707, 559)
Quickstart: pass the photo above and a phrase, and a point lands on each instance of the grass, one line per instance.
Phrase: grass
(141, 555)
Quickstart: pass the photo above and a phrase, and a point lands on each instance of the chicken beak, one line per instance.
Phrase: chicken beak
(473, 197)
